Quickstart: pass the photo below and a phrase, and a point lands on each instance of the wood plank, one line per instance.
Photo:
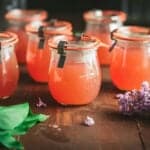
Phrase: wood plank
(144, 123)
(111, 130)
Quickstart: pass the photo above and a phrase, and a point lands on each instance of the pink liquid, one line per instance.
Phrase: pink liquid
(38, 61)
(129, 68)
(9, 75)
(75, 84)
(21, 46)
(104, 55)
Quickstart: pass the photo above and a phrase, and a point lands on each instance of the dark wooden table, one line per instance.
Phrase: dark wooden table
(112, 130)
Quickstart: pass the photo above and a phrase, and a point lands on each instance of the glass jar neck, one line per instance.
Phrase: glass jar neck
(102, 26)
(7, 38)
(74, 56)
(135, 44)
(46, 32)
(133, 36)
(48, 36)
(16, 24)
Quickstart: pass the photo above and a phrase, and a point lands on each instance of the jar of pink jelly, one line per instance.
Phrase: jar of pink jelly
(17, 19)
(74, 72)
(100, 23)
(9, 72)
(130, 64)
(38, 54)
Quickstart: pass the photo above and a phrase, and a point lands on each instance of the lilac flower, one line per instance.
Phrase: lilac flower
(135, 100)
(119, 95)
(40, 103)
(145, 85)
(89, 121)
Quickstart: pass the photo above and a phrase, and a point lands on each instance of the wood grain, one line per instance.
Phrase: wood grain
(112, 131)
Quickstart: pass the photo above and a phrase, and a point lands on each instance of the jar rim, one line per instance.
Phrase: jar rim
(26, 15)
(8, 38)
(132, 33)
(53, 27)
(75, 43)
(107, 16)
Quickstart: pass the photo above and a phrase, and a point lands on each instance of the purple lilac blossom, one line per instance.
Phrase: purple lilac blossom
(89, 121)
(135, 101)
(40, 103)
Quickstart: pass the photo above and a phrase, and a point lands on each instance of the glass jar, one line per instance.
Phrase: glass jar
(17, 20)
(130, 64)
(74, 72)
(9, 72)
(38, 54)
(100, 24)
(6, 5)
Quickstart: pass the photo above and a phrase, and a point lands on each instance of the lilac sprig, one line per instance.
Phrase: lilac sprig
(135, 101)
(40, 103)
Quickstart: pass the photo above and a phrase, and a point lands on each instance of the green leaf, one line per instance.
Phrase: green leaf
(17, 120)
(13, 116)
(29, 122)
(10, 142)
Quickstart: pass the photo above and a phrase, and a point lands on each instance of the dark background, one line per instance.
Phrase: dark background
(73, 5)
(72, 10)
(138, 10)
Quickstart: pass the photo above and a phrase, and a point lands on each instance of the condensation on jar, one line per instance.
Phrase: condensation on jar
(74, 72)
(17, 19)
(100, 24)
(38, 53)
(130, 64)
(9, 71)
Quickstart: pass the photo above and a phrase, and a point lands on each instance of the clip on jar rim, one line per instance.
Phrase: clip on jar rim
(105, 15)
(8, 38)
(132, 33)
(53, 27)
(26, 15)
(75, 43)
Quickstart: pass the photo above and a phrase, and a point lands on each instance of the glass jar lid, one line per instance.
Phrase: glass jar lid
(20, 15)
(75, 43)
(132, 33)
(8, 38)
(53, 27)
(105, 15)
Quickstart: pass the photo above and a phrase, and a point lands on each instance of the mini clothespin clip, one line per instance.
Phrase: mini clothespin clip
(61, 46)
(114, 43)
(41, 36)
